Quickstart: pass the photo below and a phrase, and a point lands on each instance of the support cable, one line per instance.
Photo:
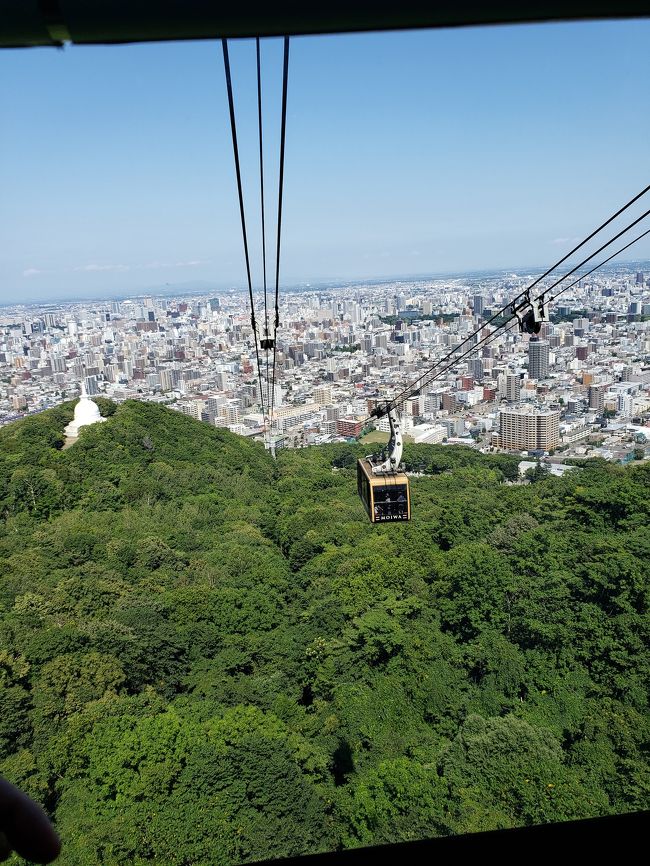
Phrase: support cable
(276, 325)
(233, 128)
(524, 297)
(489, 338)
(266, 311)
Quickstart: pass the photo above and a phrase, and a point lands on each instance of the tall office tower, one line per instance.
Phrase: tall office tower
(538, 359)
(526, 428)
(513, 387)
(639, 278)
(478, 305)
(215, 304)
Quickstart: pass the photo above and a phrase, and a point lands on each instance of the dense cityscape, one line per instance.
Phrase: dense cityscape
(580, 388)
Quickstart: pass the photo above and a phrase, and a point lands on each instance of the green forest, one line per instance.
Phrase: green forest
(208, 657)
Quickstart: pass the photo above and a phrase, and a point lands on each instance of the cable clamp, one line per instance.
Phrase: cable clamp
(380, 411)
(531, 314)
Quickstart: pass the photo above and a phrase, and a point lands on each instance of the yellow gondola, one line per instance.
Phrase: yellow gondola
(382, 484)
(385, 497)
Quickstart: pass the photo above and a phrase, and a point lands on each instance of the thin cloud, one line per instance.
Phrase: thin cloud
(190, 264)
(562, 241)
(32, 272)
(96, 267)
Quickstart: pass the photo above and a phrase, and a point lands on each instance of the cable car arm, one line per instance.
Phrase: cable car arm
(395, 444)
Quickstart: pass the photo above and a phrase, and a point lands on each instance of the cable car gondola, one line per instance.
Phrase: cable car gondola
(382, 484)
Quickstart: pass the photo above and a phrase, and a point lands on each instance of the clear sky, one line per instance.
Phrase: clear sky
(407, 153)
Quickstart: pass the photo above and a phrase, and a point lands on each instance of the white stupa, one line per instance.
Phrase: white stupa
(85, 412)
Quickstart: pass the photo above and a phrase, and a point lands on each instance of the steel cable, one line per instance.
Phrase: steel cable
(500, 329)
(525, 295)
(233, 129)
(283, 129)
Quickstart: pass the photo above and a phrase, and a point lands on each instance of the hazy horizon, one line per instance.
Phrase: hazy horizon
(316, 284)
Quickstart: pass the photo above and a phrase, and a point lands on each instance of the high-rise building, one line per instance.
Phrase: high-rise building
(449, 401)
(626, 405)
(478, 305)
(538, 359)
(597, 396)
(512, 387)
(626, 374)
(414, 405)
(91, 385)
(476, 369)
(381, 341)
(526, 428)
(639, 278)
(167, 380)
(58, 364)
(323, 395)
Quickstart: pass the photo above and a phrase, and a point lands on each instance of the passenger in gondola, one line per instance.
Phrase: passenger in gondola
(381, 503)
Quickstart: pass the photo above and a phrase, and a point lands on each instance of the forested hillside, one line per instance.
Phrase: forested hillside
(207, 657)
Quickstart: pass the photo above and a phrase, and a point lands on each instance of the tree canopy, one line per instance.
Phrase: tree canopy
(208, 656)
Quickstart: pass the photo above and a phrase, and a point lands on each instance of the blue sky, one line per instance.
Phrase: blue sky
(407, 153)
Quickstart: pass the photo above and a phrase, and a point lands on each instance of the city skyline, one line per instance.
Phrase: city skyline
(407, 153)
(579, 384)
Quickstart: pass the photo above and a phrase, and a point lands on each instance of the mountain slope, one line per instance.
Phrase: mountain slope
(206, 656)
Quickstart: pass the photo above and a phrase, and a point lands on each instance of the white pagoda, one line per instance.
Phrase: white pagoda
(85, 412)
